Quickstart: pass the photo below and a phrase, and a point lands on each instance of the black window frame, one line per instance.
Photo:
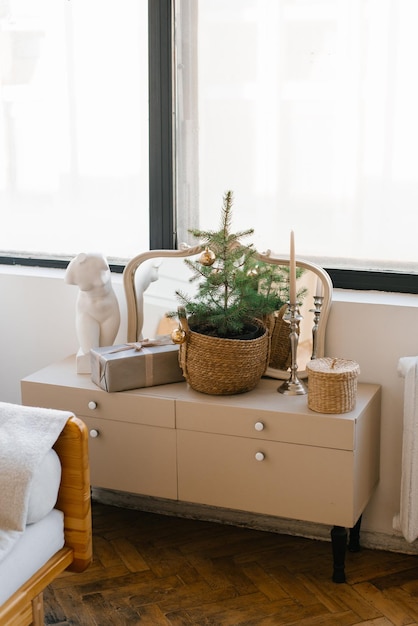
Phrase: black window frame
(162, 170)
(161, 111)
(371, 280)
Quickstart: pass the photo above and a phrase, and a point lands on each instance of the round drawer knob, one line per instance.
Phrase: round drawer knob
(94, 433)
(259, 426)
(260, 456)
(92, 405)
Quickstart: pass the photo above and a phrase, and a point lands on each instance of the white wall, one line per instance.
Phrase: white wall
(37, 323)
(375, 329)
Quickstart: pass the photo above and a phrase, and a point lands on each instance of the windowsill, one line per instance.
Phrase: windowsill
(381, 298)
(27, 270)
(43, 272)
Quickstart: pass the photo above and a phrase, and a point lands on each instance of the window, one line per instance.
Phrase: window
(74, 127)
(306, 109)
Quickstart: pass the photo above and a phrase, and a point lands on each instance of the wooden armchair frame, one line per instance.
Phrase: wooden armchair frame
(25, 606)
(135, 316)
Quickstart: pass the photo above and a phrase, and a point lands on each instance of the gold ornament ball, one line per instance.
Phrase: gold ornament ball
(207, 257)
(253, 272)
(178, 335)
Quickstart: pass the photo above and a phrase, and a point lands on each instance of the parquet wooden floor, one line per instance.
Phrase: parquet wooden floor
(152, 569)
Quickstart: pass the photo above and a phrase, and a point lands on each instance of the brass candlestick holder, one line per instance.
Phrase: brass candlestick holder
(293, 386)
(318, 300)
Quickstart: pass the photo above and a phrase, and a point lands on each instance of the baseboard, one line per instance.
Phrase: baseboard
(256, 521)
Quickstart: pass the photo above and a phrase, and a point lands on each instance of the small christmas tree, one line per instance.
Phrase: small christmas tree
(233, 286)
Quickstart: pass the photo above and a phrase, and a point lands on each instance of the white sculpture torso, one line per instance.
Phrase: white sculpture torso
(97, 308)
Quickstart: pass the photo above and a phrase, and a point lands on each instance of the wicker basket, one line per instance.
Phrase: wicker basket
(218, 366)
(280, 352)
(332, 385)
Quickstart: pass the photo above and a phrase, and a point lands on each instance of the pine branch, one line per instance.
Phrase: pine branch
(237, 288)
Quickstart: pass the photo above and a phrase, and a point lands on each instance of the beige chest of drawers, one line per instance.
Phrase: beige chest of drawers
(260, 452)
(132, 435)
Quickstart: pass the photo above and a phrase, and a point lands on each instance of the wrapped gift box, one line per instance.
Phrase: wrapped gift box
(130, 366)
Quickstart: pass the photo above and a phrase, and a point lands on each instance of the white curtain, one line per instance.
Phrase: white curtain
(74, 126)
(306, 109)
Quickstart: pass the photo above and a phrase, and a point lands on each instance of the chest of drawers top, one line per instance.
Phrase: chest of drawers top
(262, 413)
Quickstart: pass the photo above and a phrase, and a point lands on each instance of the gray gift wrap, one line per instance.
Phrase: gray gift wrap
(131, 366)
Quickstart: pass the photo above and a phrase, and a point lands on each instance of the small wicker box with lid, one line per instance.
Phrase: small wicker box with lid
(332, 385)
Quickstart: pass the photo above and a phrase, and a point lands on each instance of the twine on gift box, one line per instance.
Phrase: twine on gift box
(164, 340)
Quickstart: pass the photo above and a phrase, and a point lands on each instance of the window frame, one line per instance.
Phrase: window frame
(162, 169)
(161, 109)
(371, 280)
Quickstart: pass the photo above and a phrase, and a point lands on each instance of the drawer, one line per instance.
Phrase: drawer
(132, 458)
(293, 481)
(333, 431)
(122, 406)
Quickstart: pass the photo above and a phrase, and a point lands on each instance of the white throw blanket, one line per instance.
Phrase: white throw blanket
(407, 519)
(26, 435)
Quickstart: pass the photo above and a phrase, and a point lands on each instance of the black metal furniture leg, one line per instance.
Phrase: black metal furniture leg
(339, 544)
(354, 537)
